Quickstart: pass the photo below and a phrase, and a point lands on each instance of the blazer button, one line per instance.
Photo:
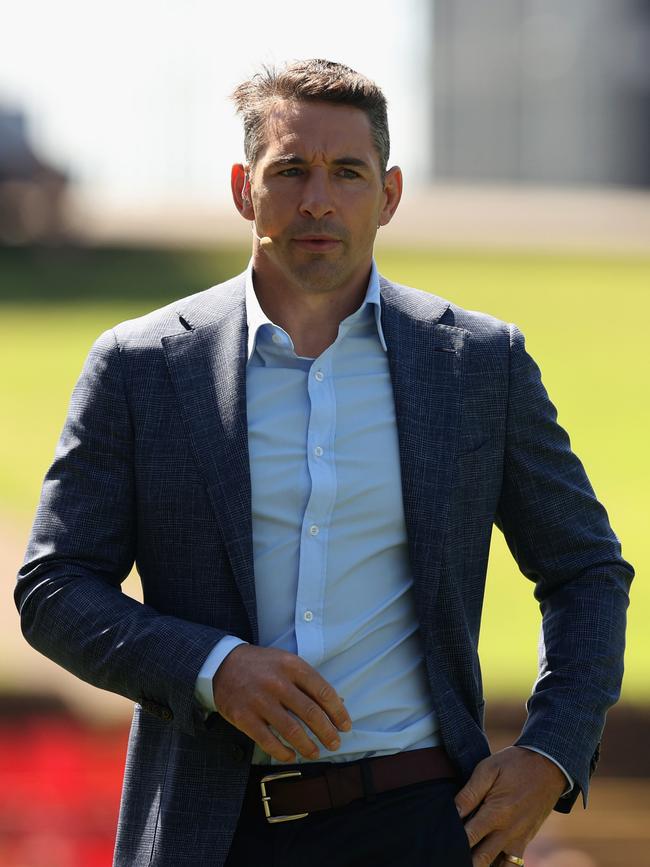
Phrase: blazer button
(237, 753)
(166, 714)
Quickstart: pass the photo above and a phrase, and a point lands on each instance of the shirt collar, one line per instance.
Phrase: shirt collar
(256, 317)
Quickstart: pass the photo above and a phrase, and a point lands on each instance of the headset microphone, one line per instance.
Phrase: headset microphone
(265, 240)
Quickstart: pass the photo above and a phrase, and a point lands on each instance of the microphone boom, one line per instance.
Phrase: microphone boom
(265, 240)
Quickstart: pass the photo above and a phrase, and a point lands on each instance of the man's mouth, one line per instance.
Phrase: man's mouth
(317, 243)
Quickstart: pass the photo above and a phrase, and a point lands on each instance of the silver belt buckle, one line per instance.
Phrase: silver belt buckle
(266, 799)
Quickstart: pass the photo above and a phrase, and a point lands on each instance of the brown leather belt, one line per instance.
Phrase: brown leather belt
(288, 795)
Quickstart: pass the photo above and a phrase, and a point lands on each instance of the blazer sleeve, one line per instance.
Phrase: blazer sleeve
(560, 536)
(82, 547)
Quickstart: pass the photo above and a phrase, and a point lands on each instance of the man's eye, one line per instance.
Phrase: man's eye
(349, 173)
(293, 172)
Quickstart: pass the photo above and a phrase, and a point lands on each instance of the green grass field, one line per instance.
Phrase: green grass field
(579, 315)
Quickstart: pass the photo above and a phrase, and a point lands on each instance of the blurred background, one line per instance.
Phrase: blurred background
(523, 129)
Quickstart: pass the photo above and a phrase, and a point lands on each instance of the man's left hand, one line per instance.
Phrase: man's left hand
(514, 791)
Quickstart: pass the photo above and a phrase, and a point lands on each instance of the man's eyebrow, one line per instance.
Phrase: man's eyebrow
(289, 160)
(295, 160)
(351, 161)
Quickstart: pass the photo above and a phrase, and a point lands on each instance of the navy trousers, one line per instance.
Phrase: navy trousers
(416, 825)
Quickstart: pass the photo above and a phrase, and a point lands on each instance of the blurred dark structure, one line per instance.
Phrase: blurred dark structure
(542, 91)
(32, 192)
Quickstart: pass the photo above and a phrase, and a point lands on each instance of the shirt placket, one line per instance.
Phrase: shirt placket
(315, 531)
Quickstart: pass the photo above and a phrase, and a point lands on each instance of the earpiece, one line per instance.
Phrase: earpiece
(244, 194)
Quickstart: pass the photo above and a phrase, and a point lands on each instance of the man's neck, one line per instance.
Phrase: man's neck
(311, 319)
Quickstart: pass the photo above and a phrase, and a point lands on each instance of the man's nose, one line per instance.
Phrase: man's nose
(317, 199)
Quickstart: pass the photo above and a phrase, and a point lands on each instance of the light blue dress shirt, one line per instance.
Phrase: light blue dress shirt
(332, 575)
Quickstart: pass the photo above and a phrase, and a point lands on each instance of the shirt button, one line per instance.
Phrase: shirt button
(314, 530)
(319, 376)
(277, 337)
(318, 451)
(308, 616)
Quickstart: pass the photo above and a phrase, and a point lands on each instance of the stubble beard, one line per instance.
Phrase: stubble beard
(317, 275)
(322, 273)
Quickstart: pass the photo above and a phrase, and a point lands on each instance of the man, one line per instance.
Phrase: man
(305, 464)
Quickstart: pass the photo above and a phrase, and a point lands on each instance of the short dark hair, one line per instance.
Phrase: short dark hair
(310, 81)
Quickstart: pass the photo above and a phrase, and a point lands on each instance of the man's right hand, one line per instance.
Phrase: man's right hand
(258, 687)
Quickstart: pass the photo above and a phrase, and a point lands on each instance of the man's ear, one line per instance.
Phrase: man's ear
(240, 186)
(393, 183)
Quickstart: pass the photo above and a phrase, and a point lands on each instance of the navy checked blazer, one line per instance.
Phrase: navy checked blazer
(152, 467)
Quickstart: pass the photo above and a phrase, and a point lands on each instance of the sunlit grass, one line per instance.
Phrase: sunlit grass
(584, 319)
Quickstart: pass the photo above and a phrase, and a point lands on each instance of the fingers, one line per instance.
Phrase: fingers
(288, 718)
(314, 717)
(498, 825)
(313, 701)
(492, 848)
(323, 693)
(269, 694)
(267, 723)
(504, 809)
(267, 741)
(517, 851)
(476, 788)
(484, 831)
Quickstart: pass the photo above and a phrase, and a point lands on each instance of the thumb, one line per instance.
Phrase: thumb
(476, 788)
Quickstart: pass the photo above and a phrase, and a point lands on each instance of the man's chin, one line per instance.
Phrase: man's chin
(319, 275)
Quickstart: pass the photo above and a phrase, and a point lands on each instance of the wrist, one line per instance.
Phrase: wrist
(546, 767)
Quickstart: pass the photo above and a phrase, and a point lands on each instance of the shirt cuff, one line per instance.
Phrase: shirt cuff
(203, 691)
(542, 753)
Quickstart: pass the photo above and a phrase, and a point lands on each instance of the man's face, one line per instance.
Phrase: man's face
(317, 191)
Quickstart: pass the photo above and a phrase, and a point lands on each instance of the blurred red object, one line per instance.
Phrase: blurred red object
(59, 792)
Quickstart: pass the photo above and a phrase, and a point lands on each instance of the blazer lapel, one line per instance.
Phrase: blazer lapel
(425, 358)
(207, 365)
